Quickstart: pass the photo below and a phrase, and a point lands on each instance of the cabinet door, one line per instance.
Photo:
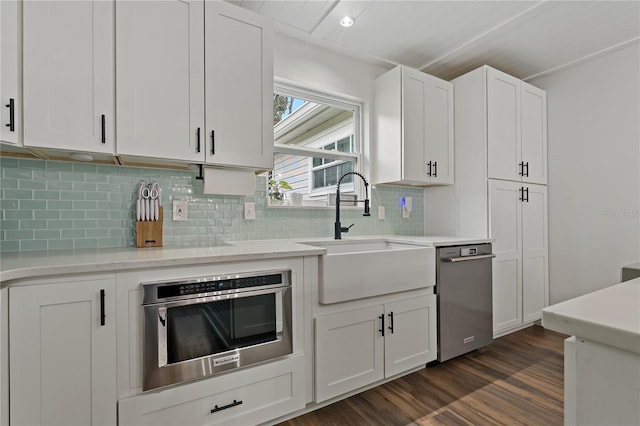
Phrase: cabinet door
(349, 351)
(505, 225)
(414, 133)
(239, 89)
(63, 361)
(439, 130)
(160, 76)
(4, 356)
(534, 133)
(503, 126)
(535, 253)
(410, 335)
(10, 129)
(68, 63)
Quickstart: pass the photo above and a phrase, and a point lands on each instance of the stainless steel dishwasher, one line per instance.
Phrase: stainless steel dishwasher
(465, 305)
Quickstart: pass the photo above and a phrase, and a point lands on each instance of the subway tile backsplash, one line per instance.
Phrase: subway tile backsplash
(56, 205)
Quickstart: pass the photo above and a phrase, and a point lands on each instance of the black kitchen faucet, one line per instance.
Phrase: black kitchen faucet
(338, 227)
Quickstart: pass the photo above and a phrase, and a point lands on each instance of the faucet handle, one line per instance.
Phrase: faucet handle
(347, 228)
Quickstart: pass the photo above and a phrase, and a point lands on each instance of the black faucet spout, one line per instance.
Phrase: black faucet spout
(338, 228)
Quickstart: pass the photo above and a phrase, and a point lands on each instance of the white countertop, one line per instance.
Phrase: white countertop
(429, 240)
(33, 264)
(610, 316)
(441, 240)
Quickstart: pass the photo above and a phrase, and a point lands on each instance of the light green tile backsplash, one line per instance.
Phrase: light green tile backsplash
(55, 205)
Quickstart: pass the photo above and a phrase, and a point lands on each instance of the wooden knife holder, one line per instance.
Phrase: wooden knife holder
(149, 233)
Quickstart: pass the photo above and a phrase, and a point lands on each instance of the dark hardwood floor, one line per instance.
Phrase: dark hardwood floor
(517, 380)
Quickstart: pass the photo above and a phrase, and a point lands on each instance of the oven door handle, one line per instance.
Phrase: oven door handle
(162, 337)
(468, 258)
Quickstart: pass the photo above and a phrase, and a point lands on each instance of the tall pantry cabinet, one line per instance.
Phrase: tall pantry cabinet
(500, 189)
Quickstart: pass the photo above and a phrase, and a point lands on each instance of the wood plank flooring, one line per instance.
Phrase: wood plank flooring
(517, 380)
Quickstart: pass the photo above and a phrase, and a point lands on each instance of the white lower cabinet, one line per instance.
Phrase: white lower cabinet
(518, 223)
(62, 349)
(249, 396)
(357, 347)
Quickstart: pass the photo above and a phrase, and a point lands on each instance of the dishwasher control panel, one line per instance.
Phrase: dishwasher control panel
(469, 251)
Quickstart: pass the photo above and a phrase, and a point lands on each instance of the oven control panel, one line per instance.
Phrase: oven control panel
(217, 285)
(157, 291)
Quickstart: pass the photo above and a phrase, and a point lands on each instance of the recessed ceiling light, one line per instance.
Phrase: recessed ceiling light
(347, 21)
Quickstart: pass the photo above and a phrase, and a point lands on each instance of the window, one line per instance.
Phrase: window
(326, 171)
(317, 140)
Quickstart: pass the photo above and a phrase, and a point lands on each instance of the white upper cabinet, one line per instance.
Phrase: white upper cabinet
(160, 79)
(239, 87)
(516, 129)
(68, 75)
(176, 61)
(533, 103)
(10, 128)
(413, 129)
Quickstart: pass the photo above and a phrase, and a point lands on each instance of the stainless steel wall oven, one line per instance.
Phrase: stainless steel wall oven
(199, 327)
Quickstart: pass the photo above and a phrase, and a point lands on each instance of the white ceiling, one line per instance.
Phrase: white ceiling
(448, 38)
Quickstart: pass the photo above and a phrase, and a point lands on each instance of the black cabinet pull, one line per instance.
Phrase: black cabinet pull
(525, 198)
(104, 131)
(381, 330)
(429, 172)
(391, 321)
(525, 171)
(102, 314)
(224, 407)
(521, 193)
(12, 115)
(213, 142)
(435, 169)
(521, 168)
(198, 139)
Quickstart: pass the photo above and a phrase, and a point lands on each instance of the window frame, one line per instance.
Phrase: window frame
(356, 108)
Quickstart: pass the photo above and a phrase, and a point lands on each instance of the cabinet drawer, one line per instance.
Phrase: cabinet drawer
(248, 396)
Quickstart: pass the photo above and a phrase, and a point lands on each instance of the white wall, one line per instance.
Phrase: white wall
(322, 70)
(594, 172)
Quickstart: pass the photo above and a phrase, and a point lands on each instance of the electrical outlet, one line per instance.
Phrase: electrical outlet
(381, 212)
(250, 211)
(179, 210)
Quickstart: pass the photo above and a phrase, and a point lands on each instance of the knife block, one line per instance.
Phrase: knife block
(149, 233)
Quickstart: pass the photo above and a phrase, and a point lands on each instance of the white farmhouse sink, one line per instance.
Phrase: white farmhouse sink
(355, 269)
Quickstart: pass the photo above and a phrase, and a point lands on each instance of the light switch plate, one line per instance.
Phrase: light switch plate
(250, 211)
(381, 213)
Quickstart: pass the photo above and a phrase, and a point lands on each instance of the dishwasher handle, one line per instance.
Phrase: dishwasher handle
(468, 258)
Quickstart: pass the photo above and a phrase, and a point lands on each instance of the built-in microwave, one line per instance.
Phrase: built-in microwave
(199, 327)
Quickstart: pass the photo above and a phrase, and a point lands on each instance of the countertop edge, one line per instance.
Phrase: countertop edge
(586, 316)
(9, 276)
(618, 338)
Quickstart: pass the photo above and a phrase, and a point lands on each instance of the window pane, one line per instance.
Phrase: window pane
(283, 106)
(317, 162)
(318, 179)
(345, 168)
(331, 174)
(344, 145)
